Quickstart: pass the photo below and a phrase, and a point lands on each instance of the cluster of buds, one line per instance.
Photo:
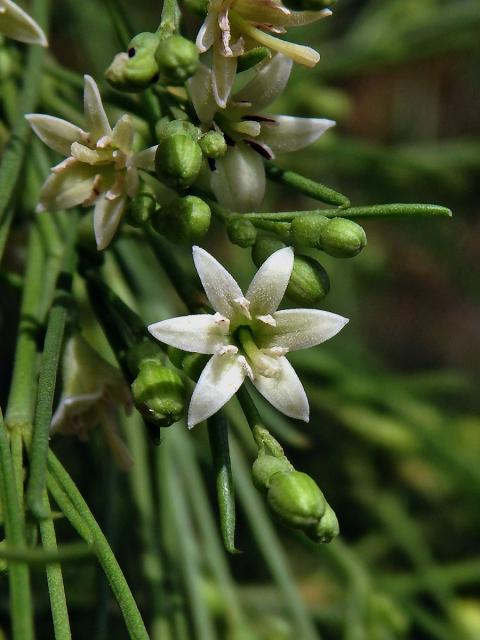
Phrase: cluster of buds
(293, 497)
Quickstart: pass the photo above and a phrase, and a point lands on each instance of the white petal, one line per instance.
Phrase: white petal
(200, 91)
(201, 333)
(56, 133)
(285, 391)
(206, 34)
(123, 134)
(67, 188)
(290, 133)
(221, 289)
(223, 76)
(267, 85)
(239, 179)
(144, 159)
(95, 116)
(302, 328)
(268, 286)
(219, 381)
(17, 24)
(106, 218)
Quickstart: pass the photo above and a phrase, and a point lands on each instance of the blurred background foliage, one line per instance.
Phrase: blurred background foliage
(394, 436)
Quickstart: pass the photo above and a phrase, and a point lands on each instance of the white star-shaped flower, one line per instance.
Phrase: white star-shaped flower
(238, 180)
(247, 336)
(100, 168)
(15, 23)
(231, 27)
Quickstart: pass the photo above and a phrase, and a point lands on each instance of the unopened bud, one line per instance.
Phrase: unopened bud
(264, 247)
(327, 527)
(177, 59)
(296, 499)
(141, 208)
(266, 467)
(158, 393)
(242, 232)
(309, 282)
(342, 238)
(165, 128)
(306, 230)
(136, 69)
(213, 144)
(184, 219)
(178, 160)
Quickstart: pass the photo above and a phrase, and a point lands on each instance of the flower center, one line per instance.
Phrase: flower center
(261, 363)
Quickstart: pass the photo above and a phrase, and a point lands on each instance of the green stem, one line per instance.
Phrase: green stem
(373, 211)
(119, 19)
(71, 502)
(14, 154)
(56, 589)
(170, 479)
(46, 555)
(170, 17)
(200, 504)
(141, 488)
(269, 545)
(47, 380)
(306, 186)
(18, 574)
(218, 436)
(189, 294)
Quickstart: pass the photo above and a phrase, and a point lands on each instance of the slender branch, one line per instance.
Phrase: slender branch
(48, 375)
(18, 574)
(71, 502)
(373, 211)
(306, 186)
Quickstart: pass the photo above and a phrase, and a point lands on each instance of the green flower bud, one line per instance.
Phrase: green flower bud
(146, 349)
(193, 364)
(137, 69)
(296, 499)
(158, 393)
(176, 356)
(178, 160)
(266, 467)
(309, 282)
(213, 144)
(166, 128)
(342, 238)
(184, 219)
(141, 208)
(252, 58)
(264, 247)
(177, 59)
(327, 528)
(242, 232)
(305, 230)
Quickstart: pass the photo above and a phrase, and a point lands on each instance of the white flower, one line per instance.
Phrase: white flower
(100, 167)
(238, 180)
(17, 24)
(248, 337)
(231, 27)
(92, 391)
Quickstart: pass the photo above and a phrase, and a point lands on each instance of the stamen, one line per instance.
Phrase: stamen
(299, 53)
(226, 350)
(221, 320)
(244, 305)
(246, 367)
(268, 319)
